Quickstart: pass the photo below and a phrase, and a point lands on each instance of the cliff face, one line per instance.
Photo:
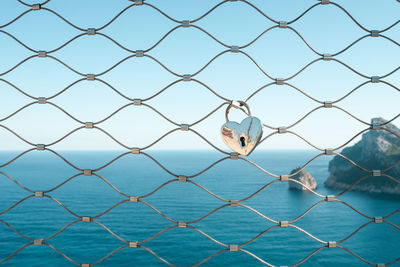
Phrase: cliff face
(377, 150)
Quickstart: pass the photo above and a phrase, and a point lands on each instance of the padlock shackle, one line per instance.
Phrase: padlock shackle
(237, 104)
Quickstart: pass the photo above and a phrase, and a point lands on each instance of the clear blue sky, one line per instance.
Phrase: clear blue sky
(280, 52)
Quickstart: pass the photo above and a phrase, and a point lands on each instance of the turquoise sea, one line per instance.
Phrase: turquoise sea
(231, 179)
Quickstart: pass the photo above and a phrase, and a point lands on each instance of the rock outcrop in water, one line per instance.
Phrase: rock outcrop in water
(303, 177)
(377, 150)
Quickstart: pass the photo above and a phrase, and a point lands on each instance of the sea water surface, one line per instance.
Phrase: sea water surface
(138, 175)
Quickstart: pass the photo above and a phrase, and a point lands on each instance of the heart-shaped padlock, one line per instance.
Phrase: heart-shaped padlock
(241, 137)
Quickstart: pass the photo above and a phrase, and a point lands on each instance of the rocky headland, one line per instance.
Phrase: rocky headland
(305, 178)
(377, 150)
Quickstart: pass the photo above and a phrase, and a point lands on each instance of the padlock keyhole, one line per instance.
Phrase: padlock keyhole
(242, 141)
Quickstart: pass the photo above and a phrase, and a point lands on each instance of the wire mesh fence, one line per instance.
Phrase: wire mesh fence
(224, 102)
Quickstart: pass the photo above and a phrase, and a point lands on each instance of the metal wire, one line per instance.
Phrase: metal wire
(189, 178)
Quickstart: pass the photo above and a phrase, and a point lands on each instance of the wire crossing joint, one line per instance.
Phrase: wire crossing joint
(182, 224)
(38, 242)
(89, 125)
(282, 130)
(326, 57)
(376, 173)
(382, 264)
(328, 151)
(325, 2)
(279, 81)
(87, 172)
(86, 219)
(133, 199)
(186, 77)
(378, 220)
(375, 79)
(85, 265)
(39, 194)
(182, 178)
(137, 101)
(375, 126)
(234, 203)
(283, 24)
(91, 31)
(36, 7)
(332, 244)
(284, 224)
(233, 247)
(328, 104)
(41, 100)
(235, 103)
(40, 147)
(138, 2)
(234, 155)
(133, 244)
(284, 178)
(42, 53)
(330, 198)
(184, 127)
(374, 33)
(90, 77)
(139, 53)
(135, 150)
(185, 23)
(234, 49)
